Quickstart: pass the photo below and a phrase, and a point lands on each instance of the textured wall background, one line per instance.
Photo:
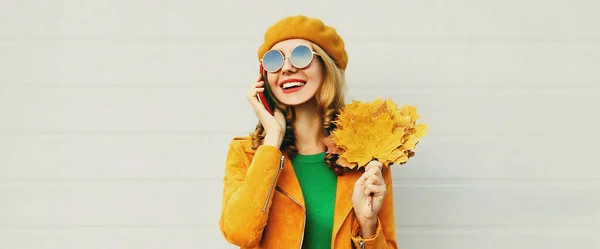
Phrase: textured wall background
(115, 117)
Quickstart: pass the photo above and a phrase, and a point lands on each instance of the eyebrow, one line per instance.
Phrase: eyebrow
(283, 52)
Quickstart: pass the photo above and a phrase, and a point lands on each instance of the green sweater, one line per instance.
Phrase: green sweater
(318, 183)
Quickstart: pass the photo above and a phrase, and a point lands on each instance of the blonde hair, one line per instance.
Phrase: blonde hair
(330, 97)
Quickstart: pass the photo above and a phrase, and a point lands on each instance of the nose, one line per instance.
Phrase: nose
(287, 66)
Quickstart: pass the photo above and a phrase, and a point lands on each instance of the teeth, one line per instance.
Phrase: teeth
(291, 84)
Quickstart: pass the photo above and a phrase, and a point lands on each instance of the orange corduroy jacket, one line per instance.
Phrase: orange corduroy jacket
(263, 206)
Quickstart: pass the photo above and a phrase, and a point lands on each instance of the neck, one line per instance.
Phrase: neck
(308, 129)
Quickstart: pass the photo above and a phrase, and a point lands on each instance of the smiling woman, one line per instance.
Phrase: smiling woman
(281, 187)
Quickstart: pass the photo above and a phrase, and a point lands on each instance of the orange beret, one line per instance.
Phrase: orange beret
(311, 29)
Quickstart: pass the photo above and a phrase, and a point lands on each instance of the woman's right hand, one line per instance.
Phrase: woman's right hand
(274, 124)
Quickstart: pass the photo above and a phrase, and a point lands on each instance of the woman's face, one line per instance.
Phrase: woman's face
(293, 86)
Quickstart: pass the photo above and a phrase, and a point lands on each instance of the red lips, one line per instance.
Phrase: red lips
(291, 80)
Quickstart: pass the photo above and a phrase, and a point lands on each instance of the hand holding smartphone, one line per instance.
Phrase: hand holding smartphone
(262, 97)
(274, 126)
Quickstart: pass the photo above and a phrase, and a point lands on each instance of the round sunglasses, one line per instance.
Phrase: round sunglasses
(301, 57)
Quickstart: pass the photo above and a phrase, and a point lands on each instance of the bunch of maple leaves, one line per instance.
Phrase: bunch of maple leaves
(376, 130)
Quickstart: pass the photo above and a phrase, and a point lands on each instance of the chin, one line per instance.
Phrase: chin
(295, 102)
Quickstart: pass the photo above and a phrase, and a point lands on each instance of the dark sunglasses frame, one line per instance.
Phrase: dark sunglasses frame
(312, 57)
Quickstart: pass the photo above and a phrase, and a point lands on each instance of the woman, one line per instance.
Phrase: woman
(281, 188)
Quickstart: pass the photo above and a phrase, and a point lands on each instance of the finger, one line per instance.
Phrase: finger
(257, 87)
(378, 173)
(373, 171)
(376, 169)
(375, 190)
(252, 91)
(375, 180)
(368, 175)
(371, 190)
(379, 191)
(362, 179)
(368, 190)
(369, 181)
(252, 95)
(374, 164)
(257, 82)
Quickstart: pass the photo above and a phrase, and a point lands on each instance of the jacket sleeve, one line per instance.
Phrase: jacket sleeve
(248, 193)
(385, 234)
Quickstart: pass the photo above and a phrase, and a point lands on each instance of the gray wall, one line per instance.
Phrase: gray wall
(115, 117)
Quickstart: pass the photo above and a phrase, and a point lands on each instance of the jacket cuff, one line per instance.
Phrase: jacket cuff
(370, 242)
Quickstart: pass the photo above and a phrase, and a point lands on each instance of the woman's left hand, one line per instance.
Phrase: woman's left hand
(371, 181)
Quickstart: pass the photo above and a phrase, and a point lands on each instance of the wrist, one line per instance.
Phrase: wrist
(368, 227)
(273, 139)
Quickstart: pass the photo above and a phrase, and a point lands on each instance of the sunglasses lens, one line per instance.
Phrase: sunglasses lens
(272, 61)
(301, 56)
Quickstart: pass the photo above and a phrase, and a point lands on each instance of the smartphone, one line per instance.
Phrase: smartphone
(267, 103)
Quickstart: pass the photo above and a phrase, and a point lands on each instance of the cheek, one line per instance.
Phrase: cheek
(316, 75)
(316, 70)
(272, 80)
